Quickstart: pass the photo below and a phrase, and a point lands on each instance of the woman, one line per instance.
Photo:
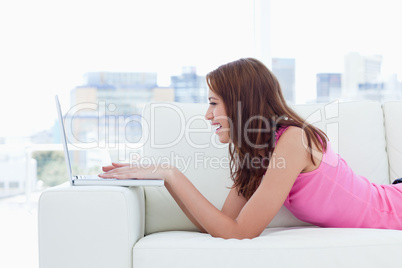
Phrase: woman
(314, 183)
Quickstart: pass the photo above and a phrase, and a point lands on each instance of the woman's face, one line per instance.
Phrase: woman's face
(216, 113)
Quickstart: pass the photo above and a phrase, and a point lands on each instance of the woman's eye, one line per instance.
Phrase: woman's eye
(212, 103)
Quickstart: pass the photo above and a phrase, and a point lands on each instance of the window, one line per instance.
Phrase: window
(355, 39)
(319, 50)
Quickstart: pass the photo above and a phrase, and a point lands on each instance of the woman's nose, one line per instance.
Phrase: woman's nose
(209, 115)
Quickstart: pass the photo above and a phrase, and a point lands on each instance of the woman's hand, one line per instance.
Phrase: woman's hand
(133, 171)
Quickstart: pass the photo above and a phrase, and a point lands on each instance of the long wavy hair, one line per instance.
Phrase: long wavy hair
(256, 108)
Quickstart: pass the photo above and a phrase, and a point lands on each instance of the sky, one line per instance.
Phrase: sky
(48, 45)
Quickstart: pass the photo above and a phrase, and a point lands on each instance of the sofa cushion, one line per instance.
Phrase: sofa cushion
(393, 132)
(276, 247)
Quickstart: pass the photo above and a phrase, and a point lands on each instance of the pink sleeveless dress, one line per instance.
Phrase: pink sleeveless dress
(334, 196)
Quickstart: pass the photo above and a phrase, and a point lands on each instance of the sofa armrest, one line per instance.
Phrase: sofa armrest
(90, 226)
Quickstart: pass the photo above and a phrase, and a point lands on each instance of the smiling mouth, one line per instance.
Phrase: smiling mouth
(218, 128)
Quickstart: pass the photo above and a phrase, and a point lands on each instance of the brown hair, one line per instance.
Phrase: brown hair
(253, 100)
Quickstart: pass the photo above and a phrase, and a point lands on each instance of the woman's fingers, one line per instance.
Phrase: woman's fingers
(113, 166)
(108, 168)
(118, 171)
(116, 176)
(120, 164)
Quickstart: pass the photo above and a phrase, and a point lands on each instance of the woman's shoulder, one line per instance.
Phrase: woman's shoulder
(294, 141)
(292, 148)
(290, 133)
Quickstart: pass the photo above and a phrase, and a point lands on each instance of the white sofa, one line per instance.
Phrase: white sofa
(118, 227)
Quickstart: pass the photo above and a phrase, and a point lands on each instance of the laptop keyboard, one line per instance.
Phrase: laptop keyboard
(88, 177)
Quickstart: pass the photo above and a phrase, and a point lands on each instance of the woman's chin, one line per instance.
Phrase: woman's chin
(224, 139)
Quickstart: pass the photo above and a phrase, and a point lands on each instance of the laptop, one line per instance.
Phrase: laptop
(95, 180)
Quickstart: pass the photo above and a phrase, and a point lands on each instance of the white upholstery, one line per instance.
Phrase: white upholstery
(89, 226)
(107, 230)
(276, 247)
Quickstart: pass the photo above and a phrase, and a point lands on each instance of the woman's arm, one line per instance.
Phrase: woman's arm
(256, 214)
(234, 204)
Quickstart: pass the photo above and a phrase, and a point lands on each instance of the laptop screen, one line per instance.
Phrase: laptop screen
(64, 139)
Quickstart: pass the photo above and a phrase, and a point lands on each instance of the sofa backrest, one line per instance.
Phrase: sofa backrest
(356, 131)
(178, 133)
(393, 132)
